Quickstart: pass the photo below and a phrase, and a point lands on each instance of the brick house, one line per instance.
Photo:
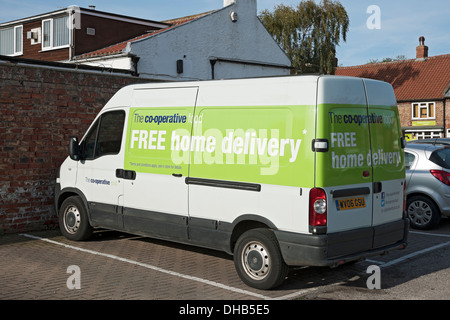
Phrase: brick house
(230, 42)
(422, 89)
(63, 34)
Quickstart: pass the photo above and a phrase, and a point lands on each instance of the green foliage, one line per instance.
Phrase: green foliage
(309, 33)
(398, 58)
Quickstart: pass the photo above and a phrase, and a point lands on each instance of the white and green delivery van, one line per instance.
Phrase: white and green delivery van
(279, 172)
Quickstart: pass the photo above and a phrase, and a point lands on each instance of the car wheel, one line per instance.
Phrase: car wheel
(423, 213)
(258, 259)
(73, 220)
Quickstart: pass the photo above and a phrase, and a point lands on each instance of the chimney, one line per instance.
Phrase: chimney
(421, 49)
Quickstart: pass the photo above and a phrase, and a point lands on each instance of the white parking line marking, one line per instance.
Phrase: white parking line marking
(390, 263)
(148, 266)
(431, 234)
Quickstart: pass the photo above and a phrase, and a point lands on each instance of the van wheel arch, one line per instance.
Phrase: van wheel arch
(245, 223)
(67, 193)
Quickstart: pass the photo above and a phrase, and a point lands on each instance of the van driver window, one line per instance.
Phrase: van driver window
(105, 136)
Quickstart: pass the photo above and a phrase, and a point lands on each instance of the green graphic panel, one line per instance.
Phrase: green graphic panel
(269, 145)
(353, 154)
(249, 144)
(149, 134)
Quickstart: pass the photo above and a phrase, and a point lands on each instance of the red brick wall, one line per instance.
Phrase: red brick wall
(40, 108)
(405, 111)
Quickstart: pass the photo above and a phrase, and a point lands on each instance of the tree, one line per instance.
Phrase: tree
(309, 33)
(400, 57)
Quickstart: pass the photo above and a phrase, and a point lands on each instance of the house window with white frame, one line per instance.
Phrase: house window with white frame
(56, 33)
(11, 41)
(423, 110)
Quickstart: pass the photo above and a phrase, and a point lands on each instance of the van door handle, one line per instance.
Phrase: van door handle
(178, 175)
(126, 174)
(377, 187)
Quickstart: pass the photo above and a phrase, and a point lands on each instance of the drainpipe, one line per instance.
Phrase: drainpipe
(445, 128)
(71, 40)
(213, 63)
(134, 60)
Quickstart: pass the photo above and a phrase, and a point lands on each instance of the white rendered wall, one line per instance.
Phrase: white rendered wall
(212, 36)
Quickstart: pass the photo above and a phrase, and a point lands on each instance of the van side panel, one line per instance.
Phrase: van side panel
(260, 136)
(266, 149)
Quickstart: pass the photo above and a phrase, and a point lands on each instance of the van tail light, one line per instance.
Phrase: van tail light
(317, 208)
(442, 176)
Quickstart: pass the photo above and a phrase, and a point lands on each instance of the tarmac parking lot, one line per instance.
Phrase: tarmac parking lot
(119, 266)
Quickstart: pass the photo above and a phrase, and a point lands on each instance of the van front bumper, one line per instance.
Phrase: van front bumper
(334, 249)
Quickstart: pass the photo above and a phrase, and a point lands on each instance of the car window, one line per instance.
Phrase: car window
(441, 157)
(409, 159)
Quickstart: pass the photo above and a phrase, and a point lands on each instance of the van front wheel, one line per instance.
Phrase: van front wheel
(258, 259)
(73, 220)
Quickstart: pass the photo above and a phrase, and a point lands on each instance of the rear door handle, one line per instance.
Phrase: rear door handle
(377, 187)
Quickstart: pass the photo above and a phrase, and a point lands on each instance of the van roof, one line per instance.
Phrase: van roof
(284, 84)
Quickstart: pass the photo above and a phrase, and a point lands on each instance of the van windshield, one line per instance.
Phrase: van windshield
(441, 157)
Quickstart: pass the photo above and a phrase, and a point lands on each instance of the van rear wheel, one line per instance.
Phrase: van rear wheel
(258, 259)
(73, 220)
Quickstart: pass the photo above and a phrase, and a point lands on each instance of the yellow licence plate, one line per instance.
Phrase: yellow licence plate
(353, 203)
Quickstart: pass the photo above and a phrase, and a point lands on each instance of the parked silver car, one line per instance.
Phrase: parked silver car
(445, 141)
(427, 184)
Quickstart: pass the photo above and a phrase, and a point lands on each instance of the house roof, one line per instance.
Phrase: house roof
(412, 80)
(120, 47)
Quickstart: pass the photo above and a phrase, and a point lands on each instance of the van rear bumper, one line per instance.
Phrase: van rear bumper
(337, 248)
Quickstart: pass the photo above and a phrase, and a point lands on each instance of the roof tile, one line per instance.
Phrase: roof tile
(414, 79)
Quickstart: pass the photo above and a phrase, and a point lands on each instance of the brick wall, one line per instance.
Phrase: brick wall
(40, 108)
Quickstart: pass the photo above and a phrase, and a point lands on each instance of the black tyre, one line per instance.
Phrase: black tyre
(73, 220)
(258, 259)
(423, 213)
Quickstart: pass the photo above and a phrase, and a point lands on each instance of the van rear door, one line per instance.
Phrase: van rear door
(387, 154)
(344, 170)
(362, 171)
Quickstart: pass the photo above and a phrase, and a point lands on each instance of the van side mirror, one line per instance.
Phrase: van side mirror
(403, 142)
(74, 149)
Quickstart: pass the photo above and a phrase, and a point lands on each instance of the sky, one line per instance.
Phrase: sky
(393, 29)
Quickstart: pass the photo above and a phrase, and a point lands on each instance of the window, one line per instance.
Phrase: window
(105, 136)
(423, 110)
(441, 157)
(409, 160)
(56, 33)
(11, 41)
(428, 134)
